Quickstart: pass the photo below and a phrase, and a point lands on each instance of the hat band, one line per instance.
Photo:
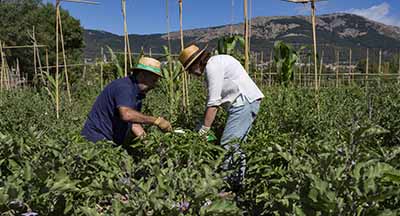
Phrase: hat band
(191, 58)
(149, 68)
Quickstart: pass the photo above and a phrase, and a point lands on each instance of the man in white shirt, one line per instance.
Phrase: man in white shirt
(229, 86)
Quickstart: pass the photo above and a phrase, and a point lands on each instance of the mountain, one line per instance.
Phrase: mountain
(342, 31)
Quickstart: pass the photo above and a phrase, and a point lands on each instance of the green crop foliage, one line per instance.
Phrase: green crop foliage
(343, 159)
(285, 57)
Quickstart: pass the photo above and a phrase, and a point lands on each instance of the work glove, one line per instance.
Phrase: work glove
(163, 124)
(204, 130)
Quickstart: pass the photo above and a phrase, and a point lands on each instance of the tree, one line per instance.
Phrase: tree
(17, 17)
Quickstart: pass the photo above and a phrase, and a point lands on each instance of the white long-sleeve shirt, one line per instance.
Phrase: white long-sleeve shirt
(226, 80)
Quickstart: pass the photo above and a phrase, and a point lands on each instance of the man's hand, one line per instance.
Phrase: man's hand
(203, 130)
(163, 124)
(138, 131)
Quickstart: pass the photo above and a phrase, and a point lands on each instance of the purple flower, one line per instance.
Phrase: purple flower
(30, 214)
(184, 206)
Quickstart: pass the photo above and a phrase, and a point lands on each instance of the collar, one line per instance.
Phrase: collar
(134, 81)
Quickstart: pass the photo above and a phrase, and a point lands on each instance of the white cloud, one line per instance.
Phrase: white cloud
(379, 13)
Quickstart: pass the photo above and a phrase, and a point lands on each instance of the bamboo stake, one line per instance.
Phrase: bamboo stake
(399, 67)
(168, 31)
(25, 46)
(262, 69)
(270, 69)
(34, 52)
(380, 63)
(350, 64)
(309, 70)
(101, 68)
(2, 66)
(36, 56)
(315, 41)
(300, 69)
(18, 72)
(337, 68)
(185, 89)
(181, 23)
(129, 52)
(320, 68)
(84, 70)
(47, 62)
(150, 52)
(367, 68)
(232, 16)
(125, 37)
(64, 58)
(7, 73)
(57, 99)
(246, 37)
(40, 65)
(250, 23)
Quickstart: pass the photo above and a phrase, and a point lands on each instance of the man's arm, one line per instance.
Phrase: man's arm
(130, 115)
(209, 116)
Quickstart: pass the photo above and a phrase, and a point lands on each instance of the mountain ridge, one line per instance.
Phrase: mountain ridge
(333, 30)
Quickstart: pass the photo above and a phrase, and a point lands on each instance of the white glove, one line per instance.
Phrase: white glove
(203, 130)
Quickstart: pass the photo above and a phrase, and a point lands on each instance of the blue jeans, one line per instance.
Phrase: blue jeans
(238, 125)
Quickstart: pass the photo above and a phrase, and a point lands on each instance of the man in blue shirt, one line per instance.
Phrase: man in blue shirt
(116, 112)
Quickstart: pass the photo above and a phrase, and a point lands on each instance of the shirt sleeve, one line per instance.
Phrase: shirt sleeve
(124, 97)
(215, 80)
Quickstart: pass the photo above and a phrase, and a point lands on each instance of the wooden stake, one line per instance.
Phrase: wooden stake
(47, 62)
(337, 67)
(249, 24)
(64, 58)
(2, 66)
(315, 42)
(57, 99)
(101, 68)
(181, 23)
(380, 62)
(246, 37)
(380, 65)
(18, 72)
(309, 71)
(22, 47)
(84, 69)
(399, 68)
(270, 69)
(300, 69)
(367, 68)
(320, 69)
(125, 36)
(232, 16)
(185, 89)
(262, 68)
(34, 53)
(350, 64)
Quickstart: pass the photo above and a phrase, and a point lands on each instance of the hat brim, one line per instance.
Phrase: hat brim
(197, 55)
(142, 67)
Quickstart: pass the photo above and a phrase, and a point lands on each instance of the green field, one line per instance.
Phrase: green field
(337, 154)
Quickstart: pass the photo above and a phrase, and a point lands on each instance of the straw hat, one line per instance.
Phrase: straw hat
(149, 64)
(190, 54)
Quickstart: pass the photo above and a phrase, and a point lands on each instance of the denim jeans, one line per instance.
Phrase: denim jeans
(238, 125)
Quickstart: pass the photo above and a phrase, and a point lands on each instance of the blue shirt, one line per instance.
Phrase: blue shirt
(104, 121)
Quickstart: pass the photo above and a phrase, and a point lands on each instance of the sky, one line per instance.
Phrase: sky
(149, 16)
